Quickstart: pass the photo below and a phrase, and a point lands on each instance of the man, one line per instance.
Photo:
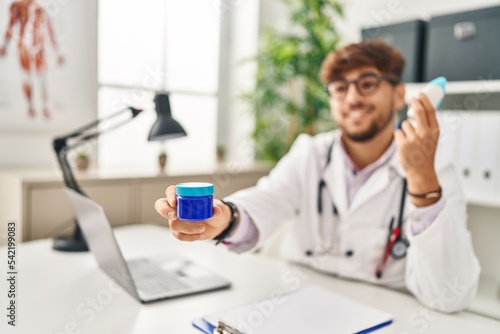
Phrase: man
(34, 23)
(365, 202)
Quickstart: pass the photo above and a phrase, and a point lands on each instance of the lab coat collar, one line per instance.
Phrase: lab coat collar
(334, 177)
(378, 181)
(395, 165)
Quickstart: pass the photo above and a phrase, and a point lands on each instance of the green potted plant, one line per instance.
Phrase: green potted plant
(162, 159)
(221, 153)
(82, 161)
(288, 98)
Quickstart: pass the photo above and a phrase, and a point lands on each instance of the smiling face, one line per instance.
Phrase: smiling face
(361, 117)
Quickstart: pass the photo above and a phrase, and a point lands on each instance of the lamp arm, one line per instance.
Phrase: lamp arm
(69, 178)
(61, 147)
(94, 124)
(96, 134)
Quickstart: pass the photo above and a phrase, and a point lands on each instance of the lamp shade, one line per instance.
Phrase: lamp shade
(165, 126)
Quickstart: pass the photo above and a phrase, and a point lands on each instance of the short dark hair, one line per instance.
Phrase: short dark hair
(373, 52)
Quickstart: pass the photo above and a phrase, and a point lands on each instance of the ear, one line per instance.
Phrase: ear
(399, 96)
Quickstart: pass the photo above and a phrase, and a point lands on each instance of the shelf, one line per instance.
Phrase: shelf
(487, 301)
(462, 87)
(42, 175)
(478, 199)
(479, 86)
(36, 200)
(464, 95)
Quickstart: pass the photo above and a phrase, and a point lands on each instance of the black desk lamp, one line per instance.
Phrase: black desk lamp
(76, 242)
(165, 126)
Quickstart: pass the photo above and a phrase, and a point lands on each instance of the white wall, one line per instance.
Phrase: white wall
(239, 42)
(31, 146)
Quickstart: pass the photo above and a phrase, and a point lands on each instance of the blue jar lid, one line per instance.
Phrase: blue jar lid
(194, 189)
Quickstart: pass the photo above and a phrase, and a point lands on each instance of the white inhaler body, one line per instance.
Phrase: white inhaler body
(435, 91)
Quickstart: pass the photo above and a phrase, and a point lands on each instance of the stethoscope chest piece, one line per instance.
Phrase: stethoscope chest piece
(398, 250)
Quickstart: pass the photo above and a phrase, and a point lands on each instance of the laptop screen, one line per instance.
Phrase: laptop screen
(100, 239)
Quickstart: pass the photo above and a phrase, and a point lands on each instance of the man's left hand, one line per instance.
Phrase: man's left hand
(417, 149)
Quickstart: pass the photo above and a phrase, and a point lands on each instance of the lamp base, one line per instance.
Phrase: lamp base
(68, 244)
(72, 243)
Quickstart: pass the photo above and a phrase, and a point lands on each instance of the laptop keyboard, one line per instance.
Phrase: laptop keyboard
(152, 280)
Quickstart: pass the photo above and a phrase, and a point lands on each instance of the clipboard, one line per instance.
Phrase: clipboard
(309, 310)
(204, 326)
(207, 327)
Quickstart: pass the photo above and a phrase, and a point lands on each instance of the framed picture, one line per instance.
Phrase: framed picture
(48, 65)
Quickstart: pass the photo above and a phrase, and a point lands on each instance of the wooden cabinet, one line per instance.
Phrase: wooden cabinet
(36, 200)
(49, 213)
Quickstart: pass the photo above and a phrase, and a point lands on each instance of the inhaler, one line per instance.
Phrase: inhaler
(434, 90)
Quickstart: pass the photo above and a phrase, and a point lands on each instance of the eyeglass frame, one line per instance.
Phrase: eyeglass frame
(378, 77)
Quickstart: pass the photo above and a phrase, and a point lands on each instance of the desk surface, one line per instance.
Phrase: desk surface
(65, 293)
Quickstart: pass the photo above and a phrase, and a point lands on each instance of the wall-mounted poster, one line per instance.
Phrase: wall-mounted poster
(48, 71)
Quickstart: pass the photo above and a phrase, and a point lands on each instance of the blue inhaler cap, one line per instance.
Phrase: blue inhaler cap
(194, 189)
(439, 81)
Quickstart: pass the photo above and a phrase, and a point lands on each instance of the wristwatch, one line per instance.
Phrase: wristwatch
(432, 194)
(232, 224)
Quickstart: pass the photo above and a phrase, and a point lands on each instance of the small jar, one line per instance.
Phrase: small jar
(195, 201)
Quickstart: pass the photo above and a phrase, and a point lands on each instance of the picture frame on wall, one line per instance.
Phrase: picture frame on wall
(48, 65)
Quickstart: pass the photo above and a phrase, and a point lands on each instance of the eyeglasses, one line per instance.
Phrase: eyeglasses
(367, 84)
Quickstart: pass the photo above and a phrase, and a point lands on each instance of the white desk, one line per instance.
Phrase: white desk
(56, 290)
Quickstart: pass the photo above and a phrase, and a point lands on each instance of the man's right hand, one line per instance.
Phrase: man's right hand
(3, 51)
(192, 231)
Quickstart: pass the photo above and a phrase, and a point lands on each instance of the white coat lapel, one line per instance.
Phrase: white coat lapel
(335, 179)
(378, 181)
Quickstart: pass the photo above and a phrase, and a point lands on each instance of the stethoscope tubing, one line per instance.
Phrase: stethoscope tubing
(399, 228)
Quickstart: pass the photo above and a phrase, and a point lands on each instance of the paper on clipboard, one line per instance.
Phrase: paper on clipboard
(309, 310)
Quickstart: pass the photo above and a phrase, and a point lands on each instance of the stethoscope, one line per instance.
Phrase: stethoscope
(396, 244)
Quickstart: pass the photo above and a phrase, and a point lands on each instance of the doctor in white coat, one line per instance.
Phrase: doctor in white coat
(365, 202)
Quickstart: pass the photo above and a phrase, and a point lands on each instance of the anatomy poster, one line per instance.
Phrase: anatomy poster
(48, 70)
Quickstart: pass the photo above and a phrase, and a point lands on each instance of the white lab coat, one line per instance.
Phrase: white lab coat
(440, 268)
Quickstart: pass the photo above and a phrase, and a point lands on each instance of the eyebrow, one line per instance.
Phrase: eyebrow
(359, 76)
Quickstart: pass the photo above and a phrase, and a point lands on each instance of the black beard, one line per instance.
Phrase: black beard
(372, 132)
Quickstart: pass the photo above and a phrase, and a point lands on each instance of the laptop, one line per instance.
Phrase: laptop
(146, 279)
